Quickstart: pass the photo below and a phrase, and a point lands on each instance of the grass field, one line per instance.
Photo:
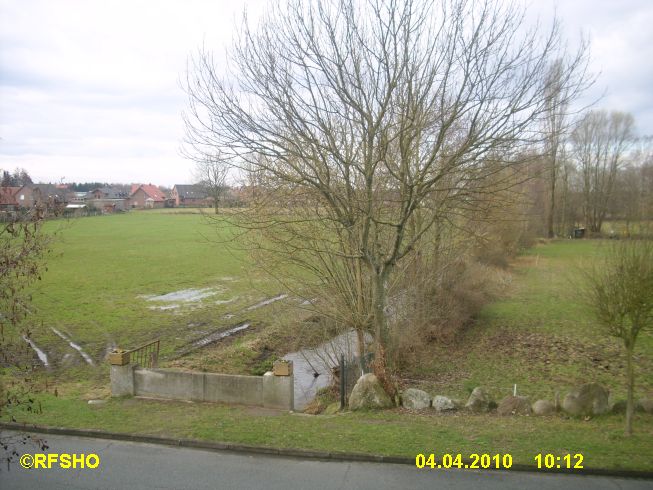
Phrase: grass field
(104, 269)
(538, 335)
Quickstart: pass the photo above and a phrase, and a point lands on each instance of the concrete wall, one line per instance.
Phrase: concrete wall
(122, 380)
(265, 391)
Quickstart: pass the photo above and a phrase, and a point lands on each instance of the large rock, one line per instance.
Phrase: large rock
(514, 405)
(645, 405)
(415, 399)
(443, 404)
(543, 407)
(587, 399)
(368, 394)
(479, 401)
(620, 407)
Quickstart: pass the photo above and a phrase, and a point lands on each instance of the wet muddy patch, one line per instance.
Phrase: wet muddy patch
(209, 338)
(185, 299)
(266, 302)
(192, 295)
(75, 346)
(219, 335)
(41, 354)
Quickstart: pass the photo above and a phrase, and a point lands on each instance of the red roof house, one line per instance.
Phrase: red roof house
(147, 196)
(8, 197)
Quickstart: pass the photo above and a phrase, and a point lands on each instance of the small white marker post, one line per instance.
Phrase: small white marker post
(514, 390)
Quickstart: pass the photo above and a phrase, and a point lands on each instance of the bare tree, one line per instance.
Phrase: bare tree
(555, 128)
(373, 122)
(620, 291)
(599, 144)
(634, 188)
(23, 247)
(211, 175)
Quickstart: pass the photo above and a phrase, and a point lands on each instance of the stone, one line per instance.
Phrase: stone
(332, 408)
(543, 407)
(587, 399)
(479, 401)
(368, 394)
(514, 405)
(415, 399)
(620, 406)
(645, 405)
(443, 404)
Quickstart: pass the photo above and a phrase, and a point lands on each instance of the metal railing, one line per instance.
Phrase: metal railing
(146, 355)
(349, 371)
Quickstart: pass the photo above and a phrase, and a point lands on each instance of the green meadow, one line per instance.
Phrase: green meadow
(537, 335)
(104, 270)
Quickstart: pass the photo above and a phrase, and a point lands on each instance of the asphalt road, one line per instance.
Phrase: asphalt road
(150, 466)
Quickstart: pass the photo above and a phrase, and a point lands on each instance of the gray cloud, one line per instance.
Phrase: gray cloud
(89, 89)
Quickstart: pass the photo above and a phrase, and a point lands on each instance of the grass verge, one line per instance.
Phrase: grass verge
(388, 433)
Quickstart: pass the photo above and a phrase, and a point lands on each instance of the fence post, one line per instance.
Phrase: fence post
(342, 381)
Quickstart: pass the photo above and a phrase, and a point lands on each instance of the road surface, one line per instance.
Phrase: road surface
(150, 466)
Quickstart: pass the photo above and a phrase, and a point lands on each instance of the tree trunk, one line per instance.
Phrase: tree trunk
(549, 222)
(630, 382)
(381, 332)
(360, 335)
(380, 324)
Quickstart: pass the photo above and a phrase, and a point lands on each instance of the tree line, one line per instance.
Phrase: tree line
(18, 178)
(598, 170)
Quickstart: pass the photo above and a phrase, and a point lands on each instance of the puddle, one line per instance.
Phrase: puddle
(164, 307)
(215, 336)
(42, 355)
(266, 302)
(184, 295)
(225, 301)
(72, 344)
(320, 360)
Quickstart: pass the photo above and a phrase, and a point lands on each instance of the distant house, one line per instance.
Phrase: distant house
(50, 196)
(109, 199)
(25, 196)
(8, 200)
(147, 197)
(190, 195)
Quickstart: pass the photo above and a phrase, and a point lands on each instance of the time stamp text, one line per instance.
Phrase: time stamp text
(484, 461)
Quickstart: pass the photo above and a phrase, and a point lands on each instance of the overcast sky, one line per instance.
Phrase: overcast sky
(89, 89)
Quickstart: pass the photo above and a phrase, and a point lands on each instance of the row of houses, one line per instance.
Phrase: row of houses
(106, 199)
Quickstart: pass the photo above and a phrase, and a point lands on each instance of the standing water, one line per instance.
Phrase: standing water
(313, 368)
(42, 355)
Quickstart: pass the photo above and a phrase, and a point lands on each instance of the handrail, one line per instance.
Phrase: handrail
(146, 355)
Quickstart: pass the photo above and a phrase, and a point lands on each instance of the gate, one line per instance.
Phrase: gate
(350, 370)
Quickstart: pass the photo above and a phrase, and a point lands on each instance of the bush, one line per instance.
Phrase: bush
(436, 303)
